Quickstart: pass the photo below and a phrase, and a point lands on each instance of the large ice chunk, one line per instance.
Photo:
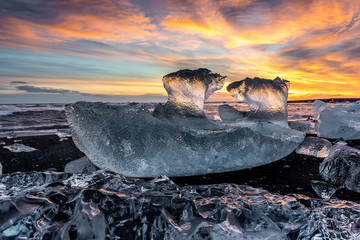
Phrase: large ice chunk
(314, 146)
(266, 98)
(177, 139)
(129, 140)
(342, 167)
(336, 122)
(187, 91)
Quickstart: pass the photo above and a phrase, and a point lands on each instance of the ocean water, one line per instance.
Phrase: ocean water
(104, 205)
(44, 119)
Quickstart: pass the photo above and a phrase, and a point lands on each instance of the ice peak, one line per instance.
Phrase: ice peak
(266, 98)
(187, 91)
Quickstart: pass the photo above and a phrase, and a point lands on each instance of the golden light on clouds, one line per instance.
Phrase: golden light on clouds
(125, 47)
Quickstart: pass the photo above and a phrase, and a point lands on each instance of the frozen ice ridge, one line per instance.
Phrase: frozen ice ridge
(336, 122)
(266, 98)
(177, 140)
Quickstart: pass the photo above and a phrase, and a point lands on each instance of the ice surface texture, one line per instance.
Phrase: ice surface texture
(314, 146)
(229, 113)
(336, 122)
(266, 98)
(102, 205)
(342, 167)
(129, 140)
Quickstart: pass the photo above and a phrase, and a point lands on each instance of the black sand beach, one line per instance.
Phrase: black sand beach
(291, 174)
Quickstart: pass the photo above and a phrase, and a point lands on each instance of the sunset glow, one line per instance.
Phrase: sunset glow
(103, 50)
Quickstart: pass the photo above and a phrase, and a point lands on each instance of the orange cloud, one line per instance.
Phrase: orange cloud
(314, 44)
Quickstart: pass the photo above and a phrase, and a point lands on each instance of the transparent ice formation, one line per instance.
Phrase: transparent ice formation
(129, 140)
(342, 167)
(187, 90)
(324, 190)
(18, 147)
(102, 205)
(80, 165)
(336, 122)
(178, 139)
(266, 98)
(314, 146)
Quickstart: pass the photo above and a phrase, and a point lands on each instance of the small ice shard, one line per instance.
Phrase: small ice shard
(314, 146)
(18, 147)
(266, 98)
(81, 165)
(11, 135)
(63, 134)
(1, 168)
(229, 113)
(2, 143)
(187, 90)
(324, 190)
(342, 167)
(302, 126)
(336, 123)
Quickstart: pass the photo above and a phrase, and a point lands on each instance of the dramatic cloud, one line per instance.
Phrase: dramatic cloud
(105, 47)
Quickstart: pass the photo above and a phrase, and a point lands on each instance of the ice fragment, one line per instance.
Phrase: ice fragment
(342, 167)
(314, 146)
(18, 147)
(335, 122)
(324, 190)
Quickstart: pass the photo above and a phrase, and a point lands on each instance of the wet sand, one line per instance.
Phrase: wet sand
(291, 174)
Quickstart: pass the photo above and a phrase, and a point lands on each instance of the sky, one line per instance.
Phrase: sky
(117, 51)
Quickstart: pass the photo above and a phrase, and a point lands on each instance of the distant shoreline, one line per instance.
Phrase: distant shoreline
(290, 101)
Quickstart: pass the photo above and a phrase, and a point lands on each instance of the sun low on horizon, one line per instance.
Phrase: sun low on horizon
(118, 51)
